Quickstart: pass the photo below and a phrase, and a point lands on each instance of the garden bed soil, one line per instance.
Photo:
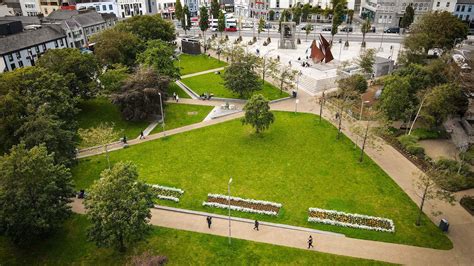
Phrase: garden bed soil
(244, 204)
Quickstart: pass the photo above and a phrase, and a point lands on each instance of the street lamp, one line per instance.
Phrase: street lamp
(228, 190)
(162, 115)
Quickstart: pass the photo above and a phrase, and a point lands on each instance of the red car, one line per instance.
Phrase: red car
(231, 29)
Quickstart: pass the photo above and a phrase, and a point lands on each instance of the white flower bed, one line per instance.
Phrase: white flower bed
(247, 205)
(352, 220)
(167, 193)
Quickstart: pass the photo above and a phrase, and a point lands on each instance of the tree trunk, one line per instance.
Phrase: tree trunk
(418, 220)
(339, 129)
(416, 117)
(121, 244)
(107, 155)
(320, 110)
(363, 143)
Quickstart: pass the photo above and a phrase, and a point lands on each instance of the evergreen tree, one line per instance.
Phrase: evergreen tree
(215, 9)
(408, 17)
(203, 20)
(221, 23)
(178, 10)
(186, 19)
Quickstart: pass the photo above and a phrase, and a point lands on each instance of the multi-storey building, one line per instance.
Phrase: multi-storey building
(23, 47)
(30, 7)
(390, 12)
(444, 5)
(101, 6)
(130, 8)
(464, 10)
(49, 6)
(166, 8)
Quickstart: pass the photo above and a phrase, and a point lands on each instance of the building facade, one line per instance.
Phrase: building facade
(30, 7)
(464, 10)
(390, 12)
(23, 48)
(101, 6)
(166, 8)
(444, 5)
(130, 8)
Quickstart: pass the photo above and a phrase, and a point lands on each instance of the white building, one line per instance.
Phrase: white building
(6, 11)
(101, 6)
(130, 8)
(24, 48)
(30, 7)
(444, 5)
(166, 8)
(390, 13)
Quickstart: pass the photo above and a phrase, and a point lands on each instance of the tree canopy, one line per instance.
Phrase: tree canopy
(158, 55)
(366, 61)
(240, 77)
(408, 17)
(116, 47)
(203, 18)
(257, 113)
(178, 10)
(139, 98)
(79, 69)
(34, 193)
(186, 19)
(150, 27)
(215, 9)
(113, 78)
(118, 194)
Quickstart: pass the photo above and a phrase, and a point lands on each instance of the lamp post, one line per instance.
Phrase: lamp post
(228, 190)
(360, 118)
(162, 115)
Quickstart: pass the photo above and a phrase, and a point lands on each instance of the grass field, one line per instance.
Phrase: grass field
(178, 115)
(213, 83)
(175, 88)
(298, 162)
(70, 247)
(101, 110)
(197, 63)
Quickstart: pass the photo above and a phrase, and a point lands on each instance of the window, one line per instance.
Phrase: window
(437, 4)
(467, 17)
(10, 57)
(44, 47)
(56, 44)
(61, 42)
(461, 16)
(37, 49)
(20, 63)
(447, 4)
(69, 34)
(110, 7)
(462, 8)
(469, 9)
(457, 8)
(18, 55)
(12, 66)
(97, 8)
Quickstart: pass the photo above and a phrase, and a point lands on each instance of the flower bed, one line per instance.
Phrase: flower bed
(350, 220)
(166, 193)
(243, 205)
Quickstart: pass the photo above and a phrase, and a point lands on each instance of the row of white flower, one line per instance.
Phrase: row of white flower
(355, 215)
(180, 191)
(237, 208)
(220, 196)
(168, 198)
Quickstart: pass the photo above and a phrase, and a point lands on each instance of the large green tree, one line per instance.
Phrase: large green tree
(296, 14)
(221, 23)
(38, 107)
(240, 77)
(159, 55)
(203, 20)
(178, 10)
(34, 193)
(118, 207)
(113, 78)
(78, 68)
(258, 114)
(365, 28)
(396, 101)
(433, 30)
(116, 47)
(408, 17)
(305, 12)
(186, 19)
(150, 27)
(215, 9)
(139, 99)
(366, 61)
(339, 10)
(444, 100)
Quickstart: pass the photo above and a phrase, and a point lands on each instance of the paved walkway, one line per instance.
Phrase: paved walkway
(202, 72)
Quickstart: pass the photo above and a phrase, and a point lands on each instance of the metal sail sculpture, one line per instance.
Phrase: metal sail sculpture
(326, 48)
(316, 54)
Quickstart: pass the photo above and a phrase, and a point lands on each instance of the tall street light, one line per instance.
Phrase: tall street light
(162, 115)
(228, 190)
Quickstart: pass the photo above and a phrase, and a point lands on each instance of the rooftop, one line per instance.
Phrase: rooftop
(30, 38)
(24, 20)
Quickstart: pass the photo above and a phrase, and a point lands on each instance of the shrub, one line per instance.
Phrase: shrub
(452, 166)
(408, 140)
(424, 133)
(416, 150)
(468, 203)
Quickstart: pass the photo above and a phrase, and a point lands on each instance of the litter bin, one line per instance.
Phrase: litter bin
(444, 225)
(294, 94)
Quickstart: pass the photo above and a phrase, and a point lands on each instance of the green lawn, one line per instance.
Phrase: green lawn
(214, 83)
(175, 88)
(101, 110)
(197, 63)
(298, 162)
(70, 247)
(179, 115)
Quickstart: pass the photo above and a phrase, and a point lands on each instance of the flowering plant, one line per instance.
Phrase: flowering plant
(243, 205)
(167, 193)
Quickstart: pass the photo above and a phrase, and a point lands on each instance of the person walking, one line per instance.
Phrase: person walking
(310, 242)
(174, 96)
(177, 98)
(142, 136)
(256, 225)
(209, 221)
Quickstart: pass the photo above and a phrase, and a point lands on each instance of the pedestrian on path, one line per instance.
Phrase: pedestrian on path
(142, 136)
(209, 221)
(174, 96)
(310, 242)
(256, 225)
(124, 139)
(177, 98)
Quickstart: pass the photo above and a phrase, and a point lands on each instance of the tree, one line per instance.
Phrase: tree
(396, 101)
(427, 34)
(116, 47)
(159, 55)
(101, 135)
(139, 98)
(113, 78)
(186, 19)
(257, 113)
(215, 9)
(34, 193)
(178, 10)
(221, 23)
(241, 78)
(365, 28)
(444, 100)
(285, 15)
(308, 28)
(118, 194)
(428, 190)
(366, 61)
(338, 16)
(296, 14)
(408, 17)
(346, 94)
(150, 27)
(38, 107)
(79, 69)
(286, 77)
(261, 26)
(305, 12)
(271, 15)
(350, 16)
(203, 20)
(267, 67)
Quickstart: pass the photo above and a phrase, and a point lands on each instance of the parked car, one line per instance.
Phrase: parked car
(392, 30)
(372, 29)
(327, 28)
(347, 29)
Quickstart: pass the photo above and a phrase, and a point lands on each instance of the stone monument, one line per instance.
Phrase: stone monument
(287, 35)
